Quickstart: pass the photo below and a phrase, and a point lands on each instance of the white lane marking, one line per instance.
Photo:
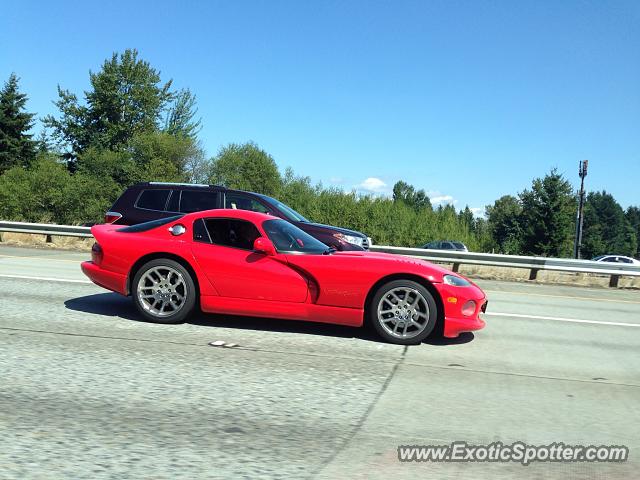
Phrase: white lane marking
(496, 314)
(561, 319)
(40, 258)
(592, 299)
(46, 279)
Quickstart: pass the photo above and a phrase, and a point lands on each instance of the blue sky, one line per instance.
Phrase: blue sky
(468, 100)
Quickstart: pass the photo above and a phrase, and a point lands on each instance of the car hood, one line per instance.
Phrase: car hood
(346, 231)
(403, 263)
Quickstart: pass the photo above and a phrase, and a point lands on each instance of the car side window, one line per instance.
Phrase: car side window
(174, 201)
(230, 232)
(609, 259)
(200, 233)
(196, 201)
(625, 260)
(153, 199)
(447, 246)
(238, 201)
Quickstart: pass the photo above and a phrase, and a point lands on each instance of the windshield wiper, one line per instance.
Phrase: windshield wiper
(329, 251)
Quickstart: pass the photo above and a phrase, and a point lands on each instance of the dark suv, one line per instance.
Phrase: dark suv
(147, 201)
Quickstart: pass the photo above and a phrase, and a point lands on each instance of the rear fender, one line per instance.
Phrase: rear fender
(203, 285)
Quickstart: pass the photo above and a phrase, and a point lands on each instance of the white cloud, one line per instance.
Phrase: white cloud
(477, 211)
(443, 199)
(373, 185)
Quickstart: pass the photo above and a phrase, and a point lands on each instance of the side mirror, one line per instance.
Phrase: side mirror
(264, 245)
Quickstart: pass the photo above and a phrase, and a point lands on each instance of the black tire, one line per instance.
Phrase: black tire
(186, 289)
(426, 307)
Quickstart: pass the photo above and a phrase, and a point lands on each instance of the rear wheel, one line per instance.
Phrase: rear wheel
(403, 312)
(163, 291)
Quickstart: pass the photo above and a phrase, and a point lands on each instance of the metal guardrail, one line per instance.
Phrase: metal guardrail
(533, 264)
(45, 229)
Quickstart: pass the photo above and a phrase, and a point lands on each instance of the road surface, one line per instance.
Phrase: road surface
(90, 391)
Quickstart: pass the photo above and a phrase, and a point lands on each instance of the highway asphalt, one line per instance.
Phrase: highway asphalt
(89, 391)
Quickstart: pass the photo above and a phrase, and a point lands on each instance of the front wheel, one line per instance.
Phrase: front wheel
(163, 291)
(403, 312)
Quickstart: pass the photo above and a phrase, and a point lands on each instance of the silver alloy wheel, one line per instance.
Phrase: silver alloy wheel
(403, 312)
(162, 291)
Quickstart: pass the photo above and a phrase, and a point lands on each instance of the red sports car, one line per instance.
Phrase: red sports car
(246, 263)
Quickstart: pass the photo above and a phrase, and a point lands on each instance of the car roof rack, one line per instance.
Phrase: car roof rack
(181, 184)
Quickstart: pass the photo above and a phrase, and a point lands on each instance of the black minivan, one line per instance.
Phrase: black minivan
(147, 201)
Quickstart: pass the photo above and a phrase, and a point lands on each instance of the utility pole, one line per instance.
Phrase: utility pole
(582, 172)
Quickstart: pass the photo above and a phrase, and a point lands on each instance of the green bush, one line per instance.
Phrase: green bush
(48, 193)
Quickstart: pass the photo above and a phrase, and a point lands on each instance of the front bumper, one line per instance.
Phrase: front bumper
(453, 299)
(105, 278)
(455, 326)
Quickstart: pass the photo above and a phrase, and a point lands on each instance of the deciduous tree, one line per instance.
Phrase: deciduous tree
(503, 223)
(127, 98)
(181, 115)
(417, 199)
(246, 167)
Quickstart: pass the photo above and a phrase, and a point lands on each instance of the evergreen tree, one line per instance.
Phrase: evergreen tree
(467, 218)
(16, 144)
(548, 216)
(606, 229)
(633, 217)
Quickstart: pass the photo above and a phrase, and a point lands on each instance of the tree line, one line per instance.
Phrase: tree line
(132, 126)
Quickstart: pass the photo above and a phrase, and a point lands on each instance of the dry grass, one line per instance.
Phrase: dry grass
(40, 241)
(472, 271)
(545, 276)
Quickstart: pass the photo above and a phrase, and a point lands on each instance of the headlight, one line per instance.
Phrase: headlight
(455, 281)
(349, 239)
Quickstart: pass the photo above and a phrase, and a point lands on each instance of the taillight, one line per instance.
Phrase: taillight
(96, 254)
(112, 217)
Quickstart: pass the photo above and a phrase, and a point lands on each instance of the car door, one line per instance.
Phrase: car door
(236, 271)
(198, 200)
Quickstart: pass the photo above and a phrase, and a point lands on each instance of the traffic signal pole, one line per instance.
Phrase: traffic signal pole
(582, 172)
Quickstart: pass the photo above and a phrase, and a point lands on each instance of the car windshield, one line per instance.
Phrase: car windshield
(289, 213)
(288, 238)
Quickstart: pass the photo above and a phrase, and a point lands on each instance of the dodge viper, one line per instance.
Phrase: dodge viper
(247, 263)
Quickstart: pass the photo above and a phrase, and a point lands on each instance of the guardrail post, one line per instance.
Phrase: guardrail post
(456, 267)
(533, 274)
(613, 281)
(48, 239)
(1, 239)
